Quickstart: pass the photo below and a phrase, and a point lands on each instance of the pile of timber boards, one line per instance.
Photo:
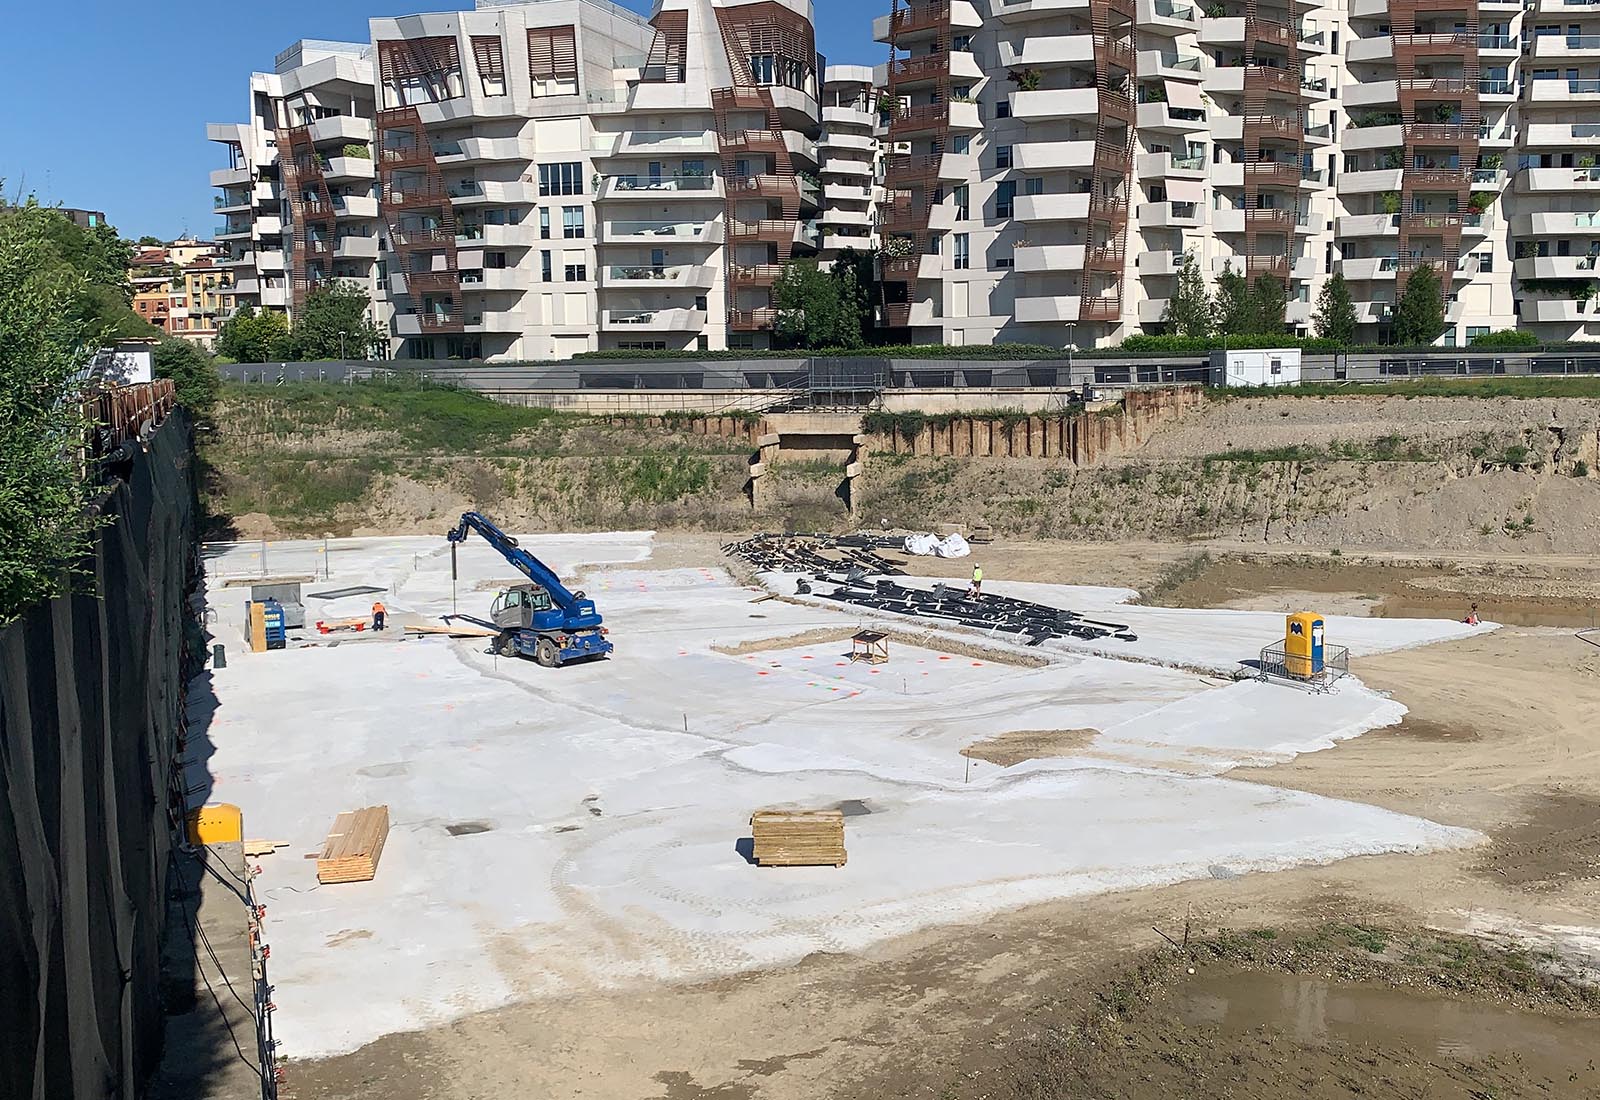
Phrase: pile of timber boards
(354, 845)
(798, 838)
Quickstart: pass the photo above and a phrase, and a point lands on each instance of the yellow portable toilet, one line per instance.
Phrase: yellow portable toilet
(1302, 644)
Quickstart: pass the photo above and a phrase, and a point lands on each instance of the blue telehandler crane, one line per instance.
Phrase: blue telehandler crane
(541, 619)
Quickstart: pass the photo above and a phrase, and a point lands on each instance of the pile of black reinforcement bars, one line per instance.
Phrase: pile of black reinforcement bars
(859, 575)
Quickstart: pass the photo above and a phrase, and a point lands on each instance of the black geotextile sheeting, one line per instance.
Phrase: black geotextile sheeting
(91, 695)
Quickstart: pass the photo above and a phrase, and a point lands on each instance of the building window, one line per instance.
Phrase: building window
(1002, 156)
(565, 178)
(577, 273)
(1004, 263)
(763, 68)
(572, 222)
(544, 265)
(1004, 194)
(486, 51)
(961, 258)
(1486, 261)
(544, 223)
(1033, 185)
(960, 143)
(1475, 331)
(1002, 107)
(963, 212)
(962, 42)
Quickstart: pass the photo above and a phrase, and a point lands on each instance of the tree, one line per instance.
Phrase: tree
(192, 371)
(858, 269)
(816, 308)
(1419, 317)
(251, 337)
(1268, 303)
(1336, 313)
(1233, 307)
(334, 323)
(1189, 310)
(45, 524)
(148, 241)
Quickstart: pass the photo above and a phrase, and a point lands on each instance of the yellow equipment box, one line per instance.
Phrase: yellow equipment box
(1302, 644)
(216, 823)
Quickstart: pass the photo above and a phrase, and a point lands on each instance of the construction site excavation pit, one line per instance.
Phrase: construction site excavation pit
(577, 829)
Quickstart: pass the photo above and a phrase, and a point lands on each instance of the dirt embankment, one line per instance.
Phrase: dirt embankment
(1455, 474)
(1365, 473)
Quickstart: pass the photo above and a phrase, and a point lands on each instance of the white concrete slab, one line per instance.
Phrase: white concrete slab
(580, 827)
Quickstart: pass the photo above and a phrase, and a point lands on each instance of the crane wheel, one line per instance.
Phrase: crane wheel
(546, 654)
(506, 644)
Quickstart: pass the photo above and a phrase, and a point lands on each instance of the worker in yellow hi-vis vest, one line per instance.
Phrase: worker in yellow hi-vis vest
(976, 591)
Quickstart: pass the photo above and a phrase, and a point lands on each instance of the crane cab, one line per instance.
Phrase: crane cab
(516, 607)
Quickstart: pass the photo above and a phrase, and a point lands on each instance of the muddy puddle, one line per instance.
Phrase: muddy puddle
(1564, 1051)
(1392, 592)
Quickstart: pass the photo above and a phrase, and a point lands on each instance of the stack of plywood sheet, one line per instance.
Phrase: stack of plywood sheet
(354, 845)
(798, 838)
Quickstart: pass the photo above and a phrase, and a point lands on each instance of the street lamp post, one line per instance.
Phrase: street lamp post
(1071, 325)
(341, 343)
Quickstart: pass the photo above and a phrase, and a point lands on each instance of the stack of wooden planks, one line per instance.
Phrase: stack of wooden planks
(798, 838)
(354, 845)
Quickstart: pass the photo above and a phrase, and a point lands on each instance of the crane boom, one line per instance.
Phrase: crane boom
(530, 566)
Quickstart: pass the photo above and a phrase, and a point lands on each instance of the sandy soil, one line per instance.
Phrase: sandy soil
(1514, 757)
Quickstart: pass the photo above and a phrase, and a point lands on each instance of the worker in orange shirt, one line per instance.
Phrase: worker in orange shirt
(378, 613)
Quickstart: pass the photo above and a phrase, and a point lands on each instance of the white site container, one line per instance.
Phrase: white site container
(1268, 367)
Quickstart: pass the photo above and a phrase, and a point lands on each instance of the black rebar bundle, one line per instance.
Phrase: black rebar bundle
(860, 577)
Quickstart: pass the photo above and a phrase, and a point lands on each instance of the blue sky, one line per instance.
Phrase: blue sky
(104, 104)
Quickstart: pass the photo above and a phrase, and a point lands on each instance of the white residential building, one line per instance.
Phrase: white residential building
(554, 176)
(545, 177)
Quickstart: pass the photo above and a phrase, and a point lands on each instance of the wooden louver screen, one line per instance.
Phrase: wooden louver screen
(552, 53)
(666, 62)
(414, 57)
(490, 57)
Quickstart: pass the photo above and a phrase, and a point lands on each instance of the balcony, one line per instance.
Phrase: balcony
(665, 188)
(488, 279)
(861, 143)
(1222, 31)
(1051, 208)
(1169, 65)
(1165, 118)
(482, 150)
(344, 129)
(661, 233)
(903, 268)
(1550, 180)
(1374, 313)
(355, 206)
(1558, 310)
(1382, 137)
(1045, 258)
(1555, 267)
(419, 324)
(496, 321)
(1041, 51)
(233, 231)
(667, 141)
(1153, 310)
(1555, 223)
(1171, 215)
(471, 192)
(652, 320)
(1564, 91)
(230, 177)
(1046, 309)
(1566, 46)
(1369, 181)
(838, 216)
(346, 169)
(839, 167)
(1372, 94)
(1374, 49)
(1043, 156)
(848, 116)
(1367, 268)
(1025, 11)
(353, 247)
(1369, 225)
(1041, 106)
(1170, 165)
(1159, 262)
(1167, 17)
(649, 277)
(1560, 135)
